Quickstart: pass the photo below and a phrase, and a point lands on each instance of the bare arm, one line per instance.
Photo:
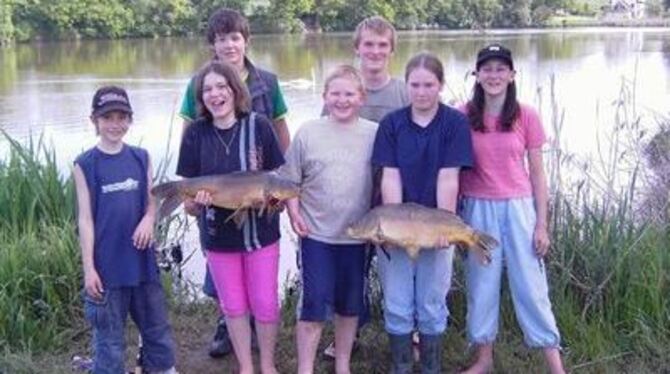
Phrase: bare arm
(447, 189)
(538, 182)
(281, 129)
(391, 186)
(92, 282)
(447, 194)
(144, 232)
(297, 222)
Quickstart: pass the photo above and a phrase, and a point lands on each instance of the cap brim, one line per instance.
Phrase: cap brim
(483, 59)
(113, 108)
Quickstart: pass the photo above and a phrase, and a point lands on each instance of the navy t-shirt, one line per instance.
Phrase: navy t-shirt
(117, 185)
(420, 152)
(251, 145)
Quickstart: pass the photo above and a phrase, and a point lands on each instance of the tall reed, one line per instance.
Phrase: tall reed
(39, 261)
(608, 277)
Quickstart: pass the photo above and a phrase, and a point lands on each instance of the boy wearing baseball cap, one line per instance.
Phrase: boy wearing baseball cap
(116, 220)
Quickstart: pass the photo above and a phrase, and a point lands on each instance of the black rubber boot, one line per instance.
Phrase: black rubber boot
(221, 344)
(401, 352)
(430, 351)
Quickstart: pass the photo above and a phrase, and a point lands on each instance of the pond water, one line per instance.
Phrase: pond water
(45, 89)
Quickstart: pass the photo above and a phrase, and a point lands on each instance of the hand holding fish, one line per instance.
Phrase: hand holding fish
(443, 242)
(144, 233)
(203, 198)
(541, 240)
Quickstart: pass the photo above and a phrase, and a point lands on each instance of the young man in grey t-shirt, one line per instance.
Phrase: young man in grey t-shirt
(374, 44)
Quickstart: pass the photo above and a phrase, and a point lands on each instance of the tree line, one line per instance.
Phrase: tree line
(24, 20)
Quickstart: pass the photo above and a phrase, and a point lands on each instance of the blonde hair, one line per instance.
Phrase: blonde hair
(347, 72)
(377, 24)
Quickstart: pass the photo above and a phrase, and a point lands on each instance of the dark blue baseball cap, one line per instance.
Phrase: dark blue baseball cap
(108, 99)
(494, 51)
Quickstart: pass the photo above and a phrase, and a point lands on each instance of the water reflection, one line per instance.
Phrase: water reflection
(47, 86)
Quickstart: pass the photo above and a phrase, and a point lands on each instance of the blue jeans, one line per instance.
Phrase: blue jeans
(415, 291)
(512, 223)
(147, 307)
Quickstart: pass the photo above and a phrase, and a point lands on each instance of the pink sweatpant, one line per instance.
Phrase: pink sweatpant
(247, 281)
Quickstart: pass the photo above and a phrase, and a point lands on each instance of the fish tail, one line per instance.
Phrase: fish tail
(484, 244)
(169, 193)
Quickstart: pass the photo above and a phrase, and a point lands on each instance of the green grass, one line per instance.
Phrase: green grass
(39, 260)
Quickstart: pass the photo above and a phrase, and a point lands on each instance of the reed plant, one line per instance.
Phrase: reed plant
(608, 263)
(32, 189)
(39, 260)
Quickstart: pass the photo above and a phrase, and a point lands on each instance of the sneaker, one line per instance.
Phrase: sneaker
(329, 351)
(415, 346)
(221, 344)
(80, 363)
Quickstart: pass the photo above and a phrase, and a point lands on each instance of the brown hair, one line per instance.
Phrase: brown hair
(344, 71)
(378, 25)
(241, 98)
(427, 61)
(476, 105)
(225, 21)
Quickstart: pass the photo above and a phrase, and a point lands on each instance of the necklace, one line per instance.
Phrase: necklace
(230, 142)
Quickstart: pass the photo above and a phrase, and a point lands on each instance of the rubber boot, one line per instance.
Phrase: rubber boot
(430, 348)
(401, 353)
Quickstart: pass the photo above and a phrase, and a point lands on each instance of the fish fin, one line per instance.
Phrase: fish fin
(163, 190)
(386, 253)
(273, 209)
(413, 252)
(238, 216)
(169, 193)
(484, 244)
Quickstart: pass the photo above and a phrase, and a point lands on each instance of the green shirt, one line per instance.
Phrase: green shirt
(188, 110)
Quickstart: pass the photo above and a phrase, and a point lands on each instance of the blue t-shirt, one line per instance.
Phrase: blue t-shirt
(420, 152)
(117, 185)
(248, 145)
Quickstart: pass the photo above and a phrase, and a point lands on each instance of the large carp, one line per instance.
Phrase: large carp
(415, 227)
(236, 191)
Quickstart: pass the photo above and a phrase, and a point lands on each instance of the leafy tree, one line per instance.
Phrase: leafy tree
(481, 13)
(163, 17)
(654, 8)
(449, 13)
(73, 18)
(411, 14)
(515, 13)
(6, 24)
(286, 15)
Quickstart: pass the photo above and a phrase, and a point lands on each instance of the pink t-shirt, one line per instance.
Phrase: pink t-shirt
(500, 170)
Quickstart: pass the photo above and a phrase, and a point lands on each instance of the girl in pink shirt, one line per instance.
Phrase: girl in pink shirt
(509, 201)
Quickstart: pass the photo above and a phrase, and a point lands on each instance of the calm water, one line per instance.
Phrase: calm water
(46, 88)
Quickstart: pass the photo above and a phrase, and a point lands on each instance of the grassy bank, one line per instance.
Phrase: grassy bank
(607, 267)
